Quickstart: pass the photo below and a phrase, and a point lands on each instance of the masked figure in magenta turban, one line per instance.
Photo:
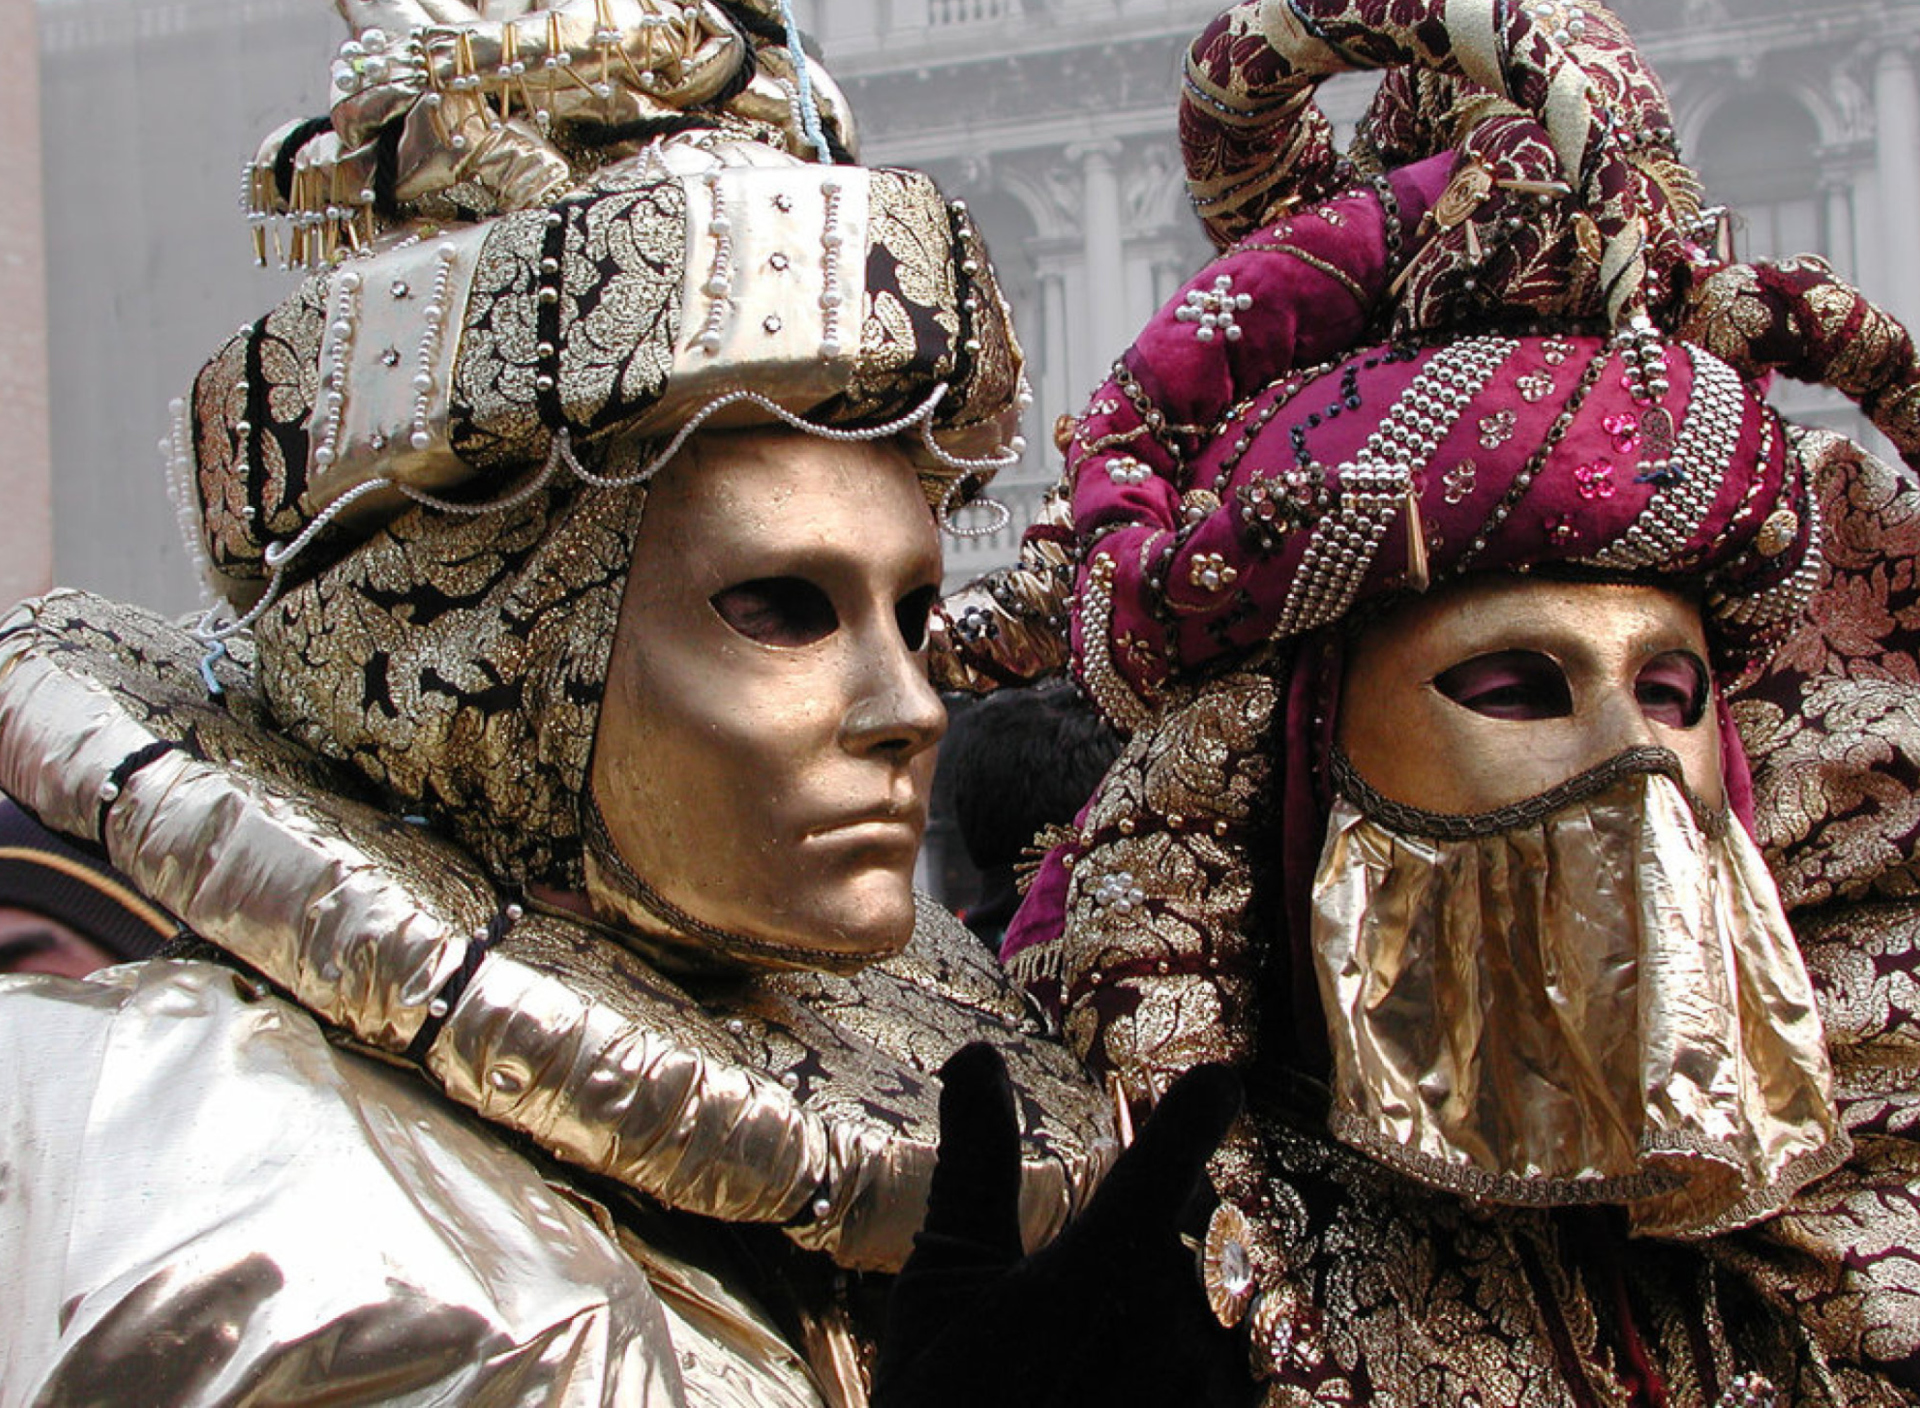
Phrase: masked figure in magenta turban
(1523, 773)
(557, 1021)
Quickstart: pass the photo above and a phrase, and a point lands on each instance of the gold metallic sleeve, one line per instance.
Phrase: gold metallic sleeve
(206, 1196)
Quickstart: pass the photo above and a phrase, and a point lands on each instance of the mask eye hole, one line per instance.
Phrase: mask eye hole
(1673, 689)
(784, 611)
(912, 613)
(1509, 684)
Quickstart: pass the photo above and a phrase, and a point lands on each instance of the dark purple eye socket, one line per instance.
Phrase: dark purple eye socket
(1673, 689)
(785, 611)
(912, 613)
(1509, 684)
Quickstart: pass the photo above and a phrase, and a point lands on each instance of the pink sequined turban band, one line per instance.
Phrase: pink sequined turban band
(1395, 469)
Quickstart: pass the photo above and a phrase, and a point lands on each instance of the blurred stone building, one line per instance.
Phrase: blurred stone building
(1054, 118)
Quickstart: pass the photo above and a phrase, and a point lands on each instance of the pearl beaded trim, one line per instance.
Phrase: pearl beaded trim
(278, 556)
(719, 284)
(1110, 692)
(1372, 488)
(342, 324)
(177, 447)
(1678, 511)
(831, 241)
(432, 328)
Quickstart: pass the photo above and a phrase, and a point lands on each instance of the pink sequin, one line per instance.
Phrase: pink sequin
(1625, 430)
(1595, 480)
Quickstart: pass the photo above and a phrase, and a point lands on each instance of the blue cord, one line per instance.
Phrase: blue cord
(809, 109)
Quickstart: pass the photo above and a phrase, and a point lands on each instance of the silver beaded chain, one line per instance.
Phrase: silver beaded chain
(1678, 511)
(1372, 488)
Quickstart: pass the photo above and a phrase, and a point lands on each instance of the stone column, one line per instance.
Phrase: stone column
(1837, 193)
(1053, 390)
(1104, 242)
(1896, 106)
(26, 528)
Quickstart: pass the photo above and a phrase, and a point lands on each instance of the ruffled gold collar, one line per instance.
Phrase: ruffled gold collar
(806, 1100)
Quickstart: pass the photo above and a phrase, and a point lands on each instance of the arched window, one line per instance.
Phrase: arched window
(1757, 154)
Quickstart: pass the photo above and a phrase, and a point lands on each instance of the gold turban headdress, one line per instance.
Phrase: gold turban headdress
(418, 479)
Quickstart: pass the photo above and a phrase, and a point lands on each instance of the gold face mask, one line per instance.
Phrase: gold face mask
(1501, 688)
(765, 751)
(1553, 969)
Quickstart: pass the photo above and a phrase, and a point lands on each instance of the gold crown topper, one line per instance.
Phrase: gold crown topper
(450, 110)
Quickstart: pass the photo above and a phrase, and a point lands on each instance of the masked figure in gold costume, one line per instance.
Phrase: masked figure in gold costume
(1523, 774)
(557, 1021)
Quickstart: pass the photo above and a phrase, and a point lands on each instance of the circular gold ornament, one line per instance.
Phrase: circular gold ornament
(1465, 193)
(1778, 532)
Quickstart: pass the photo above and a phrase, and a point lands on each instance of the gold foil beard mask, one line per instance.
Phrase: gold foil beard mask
(1587, 997)
(765, 749)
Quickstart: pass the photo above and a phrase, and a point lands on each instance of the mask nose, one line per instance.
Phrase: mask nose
(1621, 724)
(896, 711)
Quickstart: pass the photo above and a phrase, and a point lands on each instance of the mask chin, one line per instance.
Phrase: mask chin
(1591, 996)
(670, 937)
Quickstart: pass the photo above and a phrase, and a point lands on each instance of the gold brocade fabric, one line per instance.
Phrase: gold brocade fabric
(806, 1101)
(1420, 1297)
(1595, 1003)
(458, 663)
(1159, 895)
